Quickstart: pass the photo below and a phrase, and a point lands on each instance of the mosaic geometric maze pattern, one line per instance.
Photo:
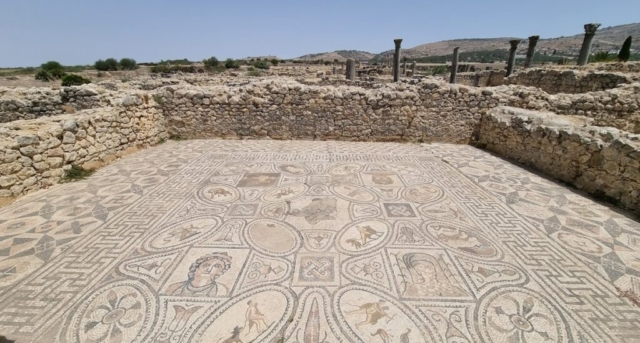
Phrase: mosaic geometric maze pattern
(312, 242)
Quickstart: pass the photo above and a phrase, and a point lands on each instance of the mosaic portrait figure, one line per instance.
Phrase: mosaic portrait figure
(428, 276)
(202, 277)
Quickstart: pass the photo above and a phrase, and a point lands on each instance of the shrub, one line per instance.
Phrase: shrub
(625, 52)
(45, 76)
(602, 56)
(231, 64)
(253, 72)
(75, 173)
(261, 65)
(211, 62)
(437, 70)
(74, 80)
(128, 64)
(275, 61)
(110, 64)
(55, 69)
(158, 99)
(51, 65)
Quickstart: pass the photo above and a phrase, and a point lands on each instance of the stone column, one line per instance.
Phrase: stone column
(351, 69)
(454, 65)
(413, 69)
(589, 33)
(335, 70)
(396, 60)
(533, 40)
(404, 66)
(512, 55)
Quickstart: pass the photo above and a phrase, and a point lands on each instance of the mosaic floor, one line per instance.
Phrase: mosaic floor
(316, 242)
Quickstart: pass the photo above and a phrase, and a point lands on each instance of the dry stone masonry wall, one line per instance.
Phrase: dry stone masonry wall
(601, 161)
(290, 110)
(34, 153)
(555, 81)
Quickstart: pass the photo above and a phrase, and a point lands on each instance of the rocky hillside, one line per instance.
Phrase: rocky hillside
(607, 38)
(340, 55)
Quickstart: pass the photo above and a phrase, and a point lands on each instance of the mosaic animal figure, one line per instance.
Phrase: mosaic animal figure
(355, 243)
(367, 233)
(383, 335)
(218, 192)
(235, 336)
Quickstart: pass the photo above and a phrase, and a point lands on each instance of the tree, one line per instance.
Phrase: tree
(55, 69)
(110, 64)
(128, 64)
(231, 64)
(211, 62)
(261, 65)
(275, 61)
(625, 51)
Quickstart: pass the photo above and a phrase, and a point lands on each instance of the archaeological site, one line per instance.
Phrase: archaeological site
(337, 197)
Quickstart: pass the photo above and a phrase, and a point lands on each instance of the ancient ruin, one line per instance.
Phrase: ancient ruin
(312, 205)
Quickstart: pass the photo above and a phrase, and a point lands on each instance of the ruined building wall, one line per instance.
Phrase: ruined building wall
(427, 111)
(34, 153)
(602, 161)
(555, 81)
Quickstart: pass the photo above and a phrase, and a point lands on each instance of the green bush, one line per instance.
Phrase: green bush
(75, 173)
(275, 61)
(437, 70)
(51, 65)
(110, 64)
(55, 69)
(602, 56)
(625, 52)
(253, 73)
(74, 80)
(128, 64)
(45, 76)
(231, 64)
(261, 65)
(211, 62)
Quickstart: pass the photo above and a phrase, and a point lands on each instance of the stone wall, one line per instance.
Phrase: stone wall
(32, 103)
(602, 161)
(425, 111)
(286, 109)
(555, 81)
(34, 153)
(628, 67)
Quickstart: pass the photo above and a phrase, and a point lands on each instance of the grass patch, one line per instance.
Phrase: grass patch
(17, 71)
(75, 173)
(158, 99)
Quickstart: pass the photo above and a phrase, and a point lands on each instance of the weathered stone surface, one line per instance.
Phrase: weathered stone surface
(29, 162)
(602, 161)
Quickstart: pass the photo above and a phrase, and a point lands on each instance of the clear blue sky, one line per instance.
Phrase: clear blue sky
(82, 31)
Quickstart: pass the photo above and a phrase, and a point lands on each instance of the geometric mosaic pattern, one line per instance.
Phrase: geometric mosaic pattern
(311, 242)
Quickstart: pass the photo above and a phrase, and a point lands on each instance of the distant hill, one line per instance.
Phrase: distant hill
(606, 39)
(340, 55)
